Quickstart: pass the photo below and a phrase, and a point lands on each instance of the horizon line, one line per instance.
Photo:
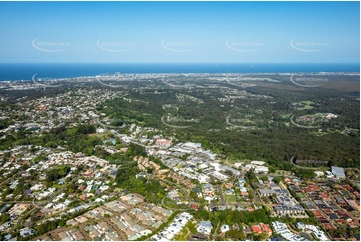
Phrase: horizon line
(218, 63)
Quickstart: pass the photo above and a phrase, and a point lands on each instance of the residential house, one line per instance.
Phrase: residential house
(205, 227)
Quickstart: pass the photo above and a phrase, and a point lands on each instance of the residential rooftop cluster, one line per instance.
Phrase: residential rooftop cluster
(85, 195)
(332, 204)
(174, 227)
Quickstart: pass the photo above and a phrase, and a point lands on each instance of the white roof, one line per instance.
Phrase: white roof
(224, 228)
(338, 171)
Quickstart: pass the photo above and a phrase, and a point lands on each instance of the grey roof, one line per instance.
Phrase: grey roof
(241, 179)
(266, 191)
(205, 224)
(338, 171)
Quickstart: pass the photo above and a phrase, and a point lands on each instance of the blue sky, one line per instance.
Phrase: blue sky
(180, 32)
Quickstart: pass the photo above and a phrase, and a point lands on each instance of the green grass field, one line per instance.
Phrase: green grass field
(303, 105)
(57, 186)
(308, 102)
(301, 195)
(230, 198)
(286, 115)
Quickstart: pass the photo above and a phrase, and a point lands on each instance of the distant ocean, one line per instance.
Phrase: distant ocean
(25, 71)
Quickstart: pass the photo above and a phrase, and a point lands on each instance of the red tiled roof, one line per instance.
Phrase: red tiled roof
(328, 226)
(256, 229)
(316, 213)
(266, 228)
(195, 207)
